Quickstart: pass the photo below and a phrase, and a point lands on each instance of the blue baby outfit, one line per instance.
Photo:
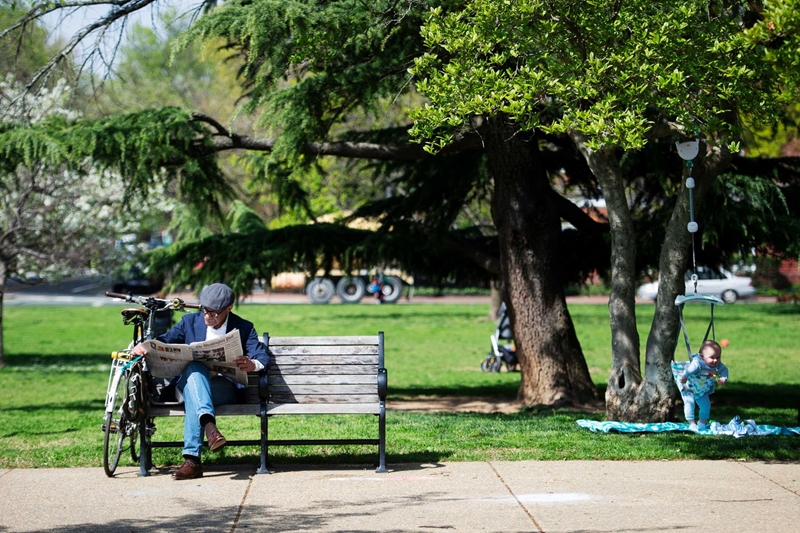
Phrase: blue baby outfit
(700, 384)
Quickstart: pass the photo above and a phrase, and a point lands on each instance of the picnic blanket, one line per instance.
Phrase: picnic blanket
(735, 428)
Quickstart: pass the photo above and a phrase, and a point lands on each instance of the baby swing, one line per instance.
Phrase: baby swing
(697, 383)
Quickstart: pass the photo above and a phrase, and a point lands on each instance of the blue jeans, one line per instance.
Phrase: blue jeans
(201, 393)
(689, 401)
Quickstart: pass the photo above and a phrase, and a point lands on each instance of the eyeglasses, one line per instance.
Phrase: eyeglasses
(212, 314)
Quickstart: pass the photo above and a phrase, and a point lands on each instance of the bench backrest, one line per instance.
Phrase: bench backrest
(319, 375)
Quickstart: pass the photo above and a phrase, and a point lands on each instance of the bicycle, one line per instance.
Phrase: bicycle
(128, 394)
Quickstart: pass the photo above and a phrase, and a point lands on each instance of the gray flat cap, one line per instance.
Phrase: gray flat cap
(216, 296)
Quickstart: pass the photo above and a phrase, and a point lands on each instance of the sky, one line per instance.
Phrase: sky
(64, 26)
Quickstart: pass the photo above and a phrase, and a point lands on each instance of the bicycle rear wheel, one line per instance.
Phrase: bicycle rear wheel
(135, 405)
(134, 437)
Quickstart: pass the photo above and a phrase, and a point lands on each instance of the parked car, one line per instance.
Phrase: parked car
(716, 282)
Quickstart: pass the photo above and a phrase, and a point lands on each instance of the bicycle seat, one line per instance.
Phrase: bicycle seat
(130, 314)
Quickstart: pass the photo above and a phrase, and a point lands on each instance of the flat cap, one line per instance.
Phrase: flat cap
(216, 296)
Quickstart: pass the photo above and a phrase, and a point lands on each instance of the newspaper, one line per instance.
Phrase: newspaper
(169, 360)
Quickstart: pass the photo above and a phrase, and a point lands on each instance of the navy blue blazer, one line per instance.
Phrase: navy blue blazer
(192, 328)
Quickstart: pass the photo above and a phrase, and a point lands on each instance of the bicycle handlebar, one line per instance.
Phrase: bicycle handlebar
(151, 303)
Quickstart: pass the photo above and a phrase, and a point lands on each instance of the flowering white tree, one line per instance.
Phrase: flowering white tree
(55, 221)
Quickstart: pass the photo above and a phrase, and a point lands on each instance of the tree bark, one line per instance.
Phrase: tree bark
(497, 295)
(554, 371)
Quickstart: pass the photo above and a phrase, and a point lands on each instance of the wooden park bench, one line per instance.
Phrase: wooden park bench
(306, 376)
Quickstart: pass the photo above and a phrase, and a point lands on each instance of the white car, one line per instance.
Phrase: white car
(720, 283)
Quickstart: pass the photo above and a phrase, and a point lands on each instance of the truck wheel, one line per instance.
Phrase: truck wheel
(392, 289)
(351, 289)
(320, 290)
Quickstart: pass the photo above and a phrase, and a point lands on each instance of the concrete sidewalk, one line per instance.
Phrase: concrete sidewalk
(497, 497)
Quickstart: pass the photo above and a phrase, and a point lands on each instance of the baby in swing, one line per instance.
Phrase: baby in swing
(697, 382)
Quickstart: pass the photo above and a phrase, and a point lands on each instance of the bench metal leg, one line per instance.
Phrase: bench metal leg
(264, 426)
(382, 440)
(145, 451)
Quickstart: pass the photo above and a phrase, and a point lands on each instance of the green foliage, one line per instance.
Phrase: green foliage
(147, 149)
(752, 212)
(609, 70)
(309, 64)
(25, 50)
(776, 35)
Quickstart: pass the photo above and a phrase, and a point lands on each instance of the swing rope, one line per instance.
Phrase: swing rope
(692, 226)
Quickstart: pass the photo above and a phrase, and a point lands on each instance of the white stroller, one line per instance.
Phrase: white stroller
(503, 351)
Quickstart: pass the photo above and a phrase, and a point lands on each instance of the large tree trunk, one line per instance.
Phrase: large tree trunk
(554, 371)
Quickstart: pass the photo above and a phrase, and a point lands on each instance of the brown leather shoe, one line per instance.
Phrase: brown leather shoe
(189, 470)
(215, 439)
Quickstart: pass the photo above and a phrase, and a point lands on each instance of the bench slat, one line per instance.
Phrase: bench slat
(323, 409)
(323, 341)
(324, 389)
(319, 398)
(323, 369)
(323, 350)
(221, 410)
(310, 379)
(325, 359)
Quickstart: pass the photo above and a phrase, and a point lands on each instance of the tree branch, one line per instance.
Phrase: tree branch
(576, 216)
(361, 150)
(478, 256)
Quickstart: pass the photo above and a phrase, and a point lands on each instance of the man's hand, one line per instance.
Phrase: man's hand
(245, 363)
(139, 349)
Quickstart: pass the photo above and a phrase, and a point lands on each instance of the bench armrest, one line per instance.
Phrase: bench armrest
(263, 385)
(383, 384)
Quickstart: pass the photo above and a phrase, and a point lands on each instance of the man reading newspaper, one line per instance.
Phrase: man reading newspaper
(201, 388)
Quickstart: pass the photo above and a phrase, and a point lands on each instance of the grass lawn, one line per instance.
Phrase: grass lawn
(52, 390)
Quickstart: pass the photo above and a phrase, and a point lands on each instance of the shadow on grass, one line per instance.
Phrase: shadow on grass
(29, 433)
(27, 361)
(777, 396)
(498, 391)
(783, 310)
(93, 406)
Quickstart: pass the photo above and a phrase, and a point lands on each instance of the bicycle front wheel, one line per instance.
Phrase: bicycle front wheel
(116, 426)
(113, 442)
